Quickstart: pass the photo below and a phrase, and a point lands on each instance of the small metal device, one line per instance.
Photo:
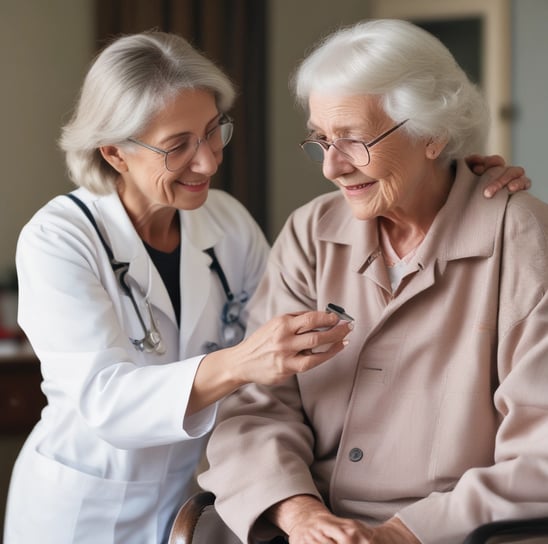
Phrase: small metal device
(339, 311)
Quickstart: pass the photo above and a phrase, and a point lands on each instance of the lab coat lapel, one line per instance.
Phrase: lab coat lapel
(199, 231)
(127, 246)
(195, 288)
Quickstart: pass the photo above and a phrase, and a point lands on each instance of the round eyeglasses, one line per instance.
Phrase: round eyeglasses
(356, 151)
(180, 155)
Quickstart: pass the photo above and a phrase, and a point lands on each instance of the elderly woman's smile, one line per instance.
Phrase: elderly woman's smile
(379, 167)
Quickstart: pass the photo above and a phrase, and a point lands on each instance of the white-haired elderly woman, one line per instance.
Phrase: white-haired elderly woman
(133, 297)
(434, 418)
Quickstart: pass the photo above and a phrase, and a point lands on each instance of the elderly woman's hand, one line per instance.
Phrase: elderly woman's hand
(512, 177)
(308, 521)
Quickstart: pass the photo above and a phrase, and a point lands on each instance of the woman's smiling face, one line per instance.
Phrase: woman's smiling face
(390, 182)
(147, 180)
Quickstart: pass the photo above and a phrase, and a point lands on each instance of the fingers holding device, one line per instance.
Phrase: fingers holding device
(340, 312)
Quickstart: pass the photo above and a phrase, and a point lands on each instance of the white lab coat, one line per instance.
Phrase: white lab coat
(113, 456)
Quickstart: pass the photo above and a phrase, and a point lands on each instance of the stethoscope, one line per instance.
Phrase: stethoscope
(232, 331)
(152, 339)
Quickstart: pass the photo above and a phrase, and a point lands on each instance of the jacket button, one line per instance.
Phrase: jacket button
(355, 455)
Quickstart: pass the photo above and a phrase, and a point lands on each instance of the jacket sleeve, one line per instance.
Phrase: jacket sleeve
(274, 442)
(514, 486)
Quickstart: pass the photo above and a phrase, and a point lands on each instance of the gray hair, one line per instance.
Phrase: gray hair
(127, 84)
(413, 73)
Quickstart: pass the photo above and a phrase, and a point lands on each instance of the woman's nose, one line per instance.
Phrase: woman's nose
(335, 163)
(205, 161)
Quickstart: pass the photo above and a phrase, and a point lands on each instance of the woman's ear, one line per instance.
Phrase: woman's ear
(434, 147)
(113, 155)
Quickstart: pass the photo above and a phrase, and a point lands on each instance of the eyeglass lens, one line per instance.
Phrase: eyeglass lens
(355, 151)
(217, 139)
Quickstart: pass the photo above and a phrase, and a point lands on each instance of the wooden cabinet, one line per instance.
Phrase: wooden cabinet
(21, 399)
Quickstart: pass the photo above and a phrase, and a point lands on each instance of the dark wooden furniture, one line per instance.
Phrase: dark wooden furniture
(21, 399)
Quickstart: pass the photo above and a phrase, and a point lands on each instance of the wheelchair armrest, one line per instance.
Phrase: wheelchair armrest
(512, 528)
(187, 517)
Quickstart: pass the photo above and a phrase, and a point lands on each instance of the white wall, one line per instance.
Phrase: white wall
(45, 46)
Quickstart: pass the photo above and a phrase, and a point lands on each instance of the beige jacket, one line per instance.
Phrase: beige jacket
(437, 410)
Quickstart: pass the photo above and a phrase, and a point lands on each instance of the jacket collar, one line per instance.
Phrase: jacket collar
(464, 227)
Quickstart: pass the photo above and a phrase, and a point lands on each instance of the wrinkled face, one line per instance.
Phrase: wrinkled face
(146, 179)
(391, 181)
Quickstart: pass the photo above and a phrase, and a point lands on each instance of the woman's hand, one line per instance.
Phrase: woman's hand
(512, 177)
(308, 521)
(286, 345)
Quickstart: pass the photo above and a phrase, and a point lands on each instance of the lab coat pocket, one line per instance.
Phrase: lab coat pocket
(92, 509)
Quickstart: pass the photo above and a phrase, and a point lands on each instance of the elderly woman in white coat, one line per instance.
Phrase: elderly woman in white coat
(434, 418)
(135, 320)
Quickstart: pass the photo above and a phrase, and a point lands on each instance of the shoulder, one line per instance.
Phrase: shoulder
(230, 215)
(222, 219)
(325, 218)
(526, 230)
(319, 214)
(325, 204)
(322, 219)
(525, 212)
(59, 227)
(526, 234)
(225, 211)
(524, 274)
(61, 210)
(219, 201)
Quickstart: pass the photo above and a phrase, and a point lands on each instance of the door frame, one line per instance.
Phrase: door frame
(496, 57)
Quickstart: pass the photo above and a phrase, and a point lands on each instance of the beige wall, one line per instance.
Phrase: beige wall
(45, 49)
(294, 27)
(45, 46)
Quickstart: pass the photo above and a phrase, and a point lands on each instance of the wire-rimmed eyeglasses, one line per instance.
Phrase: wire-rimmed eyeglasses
(180, 155)
(356, 151)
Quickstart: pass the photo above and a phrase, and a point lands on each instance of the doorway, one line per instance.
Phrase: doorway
(477, 32)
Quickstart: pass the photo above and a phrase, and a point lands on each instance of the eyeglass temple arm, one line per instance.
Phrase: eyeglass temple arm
(387, 133)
